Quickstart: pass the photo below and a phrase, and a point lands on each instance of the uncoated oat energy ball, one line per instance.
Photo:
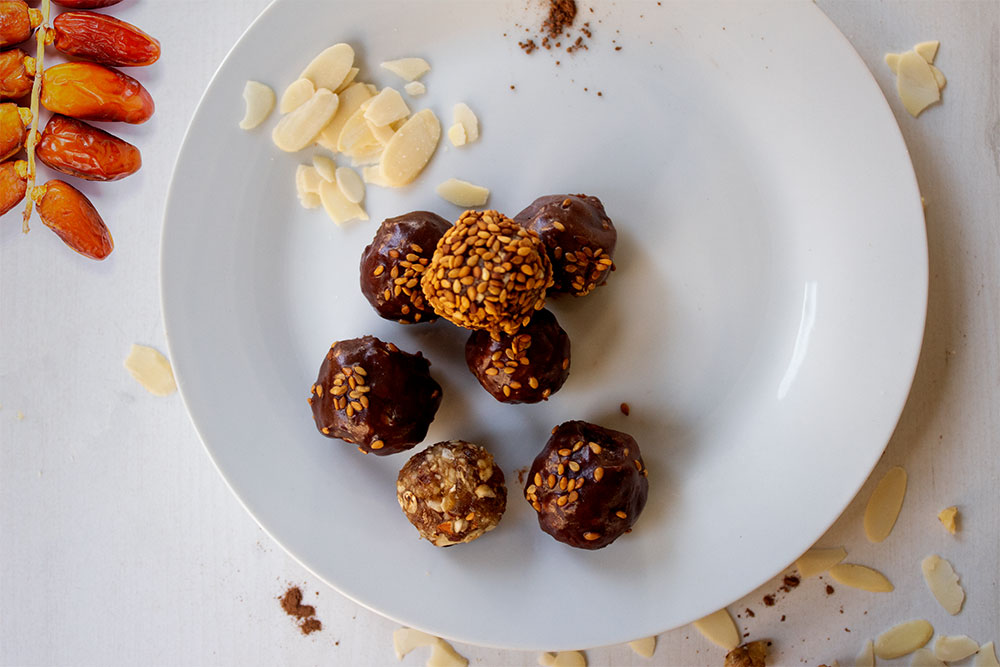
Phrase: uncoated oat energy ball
(488, 273)
(452, 492)
(374, 395)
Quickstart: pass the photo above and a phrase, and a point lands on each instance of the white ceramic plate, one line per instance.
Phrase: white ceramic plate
(764, 322)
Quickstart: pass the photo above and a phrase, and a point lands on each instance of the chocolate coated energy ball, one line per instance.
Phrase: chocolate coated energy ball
(588, 485)
(374, 395)
(488, 273)
(452, 492)
(525, 367)
(580, 239)
(391, 266)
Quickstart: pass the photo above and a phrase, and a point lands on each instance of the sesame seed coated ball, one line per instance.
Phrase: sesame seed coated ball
(488, 272)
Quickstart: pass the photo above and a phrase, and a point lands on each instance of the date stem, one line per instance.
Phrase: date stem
(36, 90)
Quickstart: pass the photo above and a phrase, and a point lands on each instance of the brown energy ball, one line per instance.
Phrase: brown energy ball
(488, 273)
(392, 264)
(525, 367)
(452, 492)
(588, 485)
(580, 239)
(374, 395)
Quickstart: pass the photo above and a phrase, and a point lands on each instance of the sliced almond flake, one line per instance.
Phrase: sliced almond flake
(859, 576)
(928, 50)
(409, 69)
(307, 179)
(370, 157)
(415, 89)
(986, 657)
(464, 115)
(350, 101)
(350, 185)
(301, 127)
(892, 60)
(151, 369)
(456, 134)
(356, 138)
(867, 656)
(259, 100)
(949, 519)
(310, 200)
(411, 148)
(382, 133)
(372, 175)
(943, 583)
(297, 94)
(386, 107)
(563, 659)
(884, 504)
(924, 658)
(817, 561)
(954, 647)
(348, 79)
(444, 655)
(719, 629)
(903, 639)
(330, 68)
(325, 167)
(645, 647)
(463, 193)
(405, 640)
(939, 77)
(336, 205)
(915, 83)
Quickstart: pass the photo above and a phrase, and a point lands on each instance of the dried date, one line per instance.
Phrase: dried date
(13, 184)
(67, 211)
(14, 121)
(17, 21)
(89, 91)
(17, 74)
(86, 4)
(104, 39)
(78, 149)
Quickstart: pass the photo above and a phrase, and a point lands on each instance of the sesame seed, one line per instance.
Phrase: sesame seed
(564, 452)
(621, 515)
(319, 390)
(590, 537)
(562, 501)
(638, 466)
(571, 485)
(378, 270)
(574, 466)
(538, 508)
(594, 447)
(598, 473)
(577, 445)
(506, 390)
(573, 496)
(378, 444)
(563, 483)
(551, 481)
(538, 479)
(559, 226)
(533, 383)
(325, 431)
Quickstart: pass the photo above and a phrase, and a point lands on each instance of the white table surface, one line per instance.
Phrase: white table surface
(121, 545)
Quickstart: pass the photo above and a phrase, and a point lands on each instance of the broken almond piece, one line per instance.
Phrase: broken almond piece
(386, 107)
(563, 659)
(938, 77)
(915, 83)
(409, 69)
(986, 656)
(350, 185)
(644, 647)
(867, 656)
(751, 654)
(405, 640)
(307, 180)
(464, 115)
(151, 369)
(924, 658)
(443, 655)
(415, 89)
(892, 60)
(297, 94)
(943, 583)
(884, 504)
(818, 561)
(325, 167)
(330, 68)
(301, 127)
(719, 629)
(356, 138)
(949, 519)
(928, 50)
(372, 175)
(337, 206)
(463, 193)
(350, 100)
(310, 200)
(859, 576)
(903, 639)
(456, 135)
(259, 100)
(954, 648)
(411, 148)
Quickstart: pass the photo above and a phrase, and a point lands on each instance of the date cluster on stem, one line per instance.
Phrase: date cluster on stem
(90, 87)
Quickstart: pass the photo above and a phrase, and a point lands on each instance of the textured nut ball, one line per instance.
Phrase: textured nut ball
(488, 272)
(452, 492)
(392, 264)
(580, 239)
(525, 367)
(588, 485)
(374, 395)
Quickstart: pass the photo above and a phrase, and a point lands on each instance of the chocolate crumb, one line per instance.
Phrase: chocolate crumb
(782, 618)
(562, 13)
(829, 589)
(624, 406)
(528, 46)
(512, 87)
(521, 472)
(291, 603)
(769, 600)
(618, 48)
(791, 581)
(750, 613)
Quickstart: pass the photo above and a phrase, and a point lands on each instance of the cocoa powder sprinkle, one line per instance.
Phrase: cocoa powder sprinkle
(291, 603)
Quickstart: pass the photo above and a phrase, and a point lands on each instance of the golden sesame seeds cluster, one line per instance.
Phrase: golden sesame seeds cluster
(407, 281)
(488, 272)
